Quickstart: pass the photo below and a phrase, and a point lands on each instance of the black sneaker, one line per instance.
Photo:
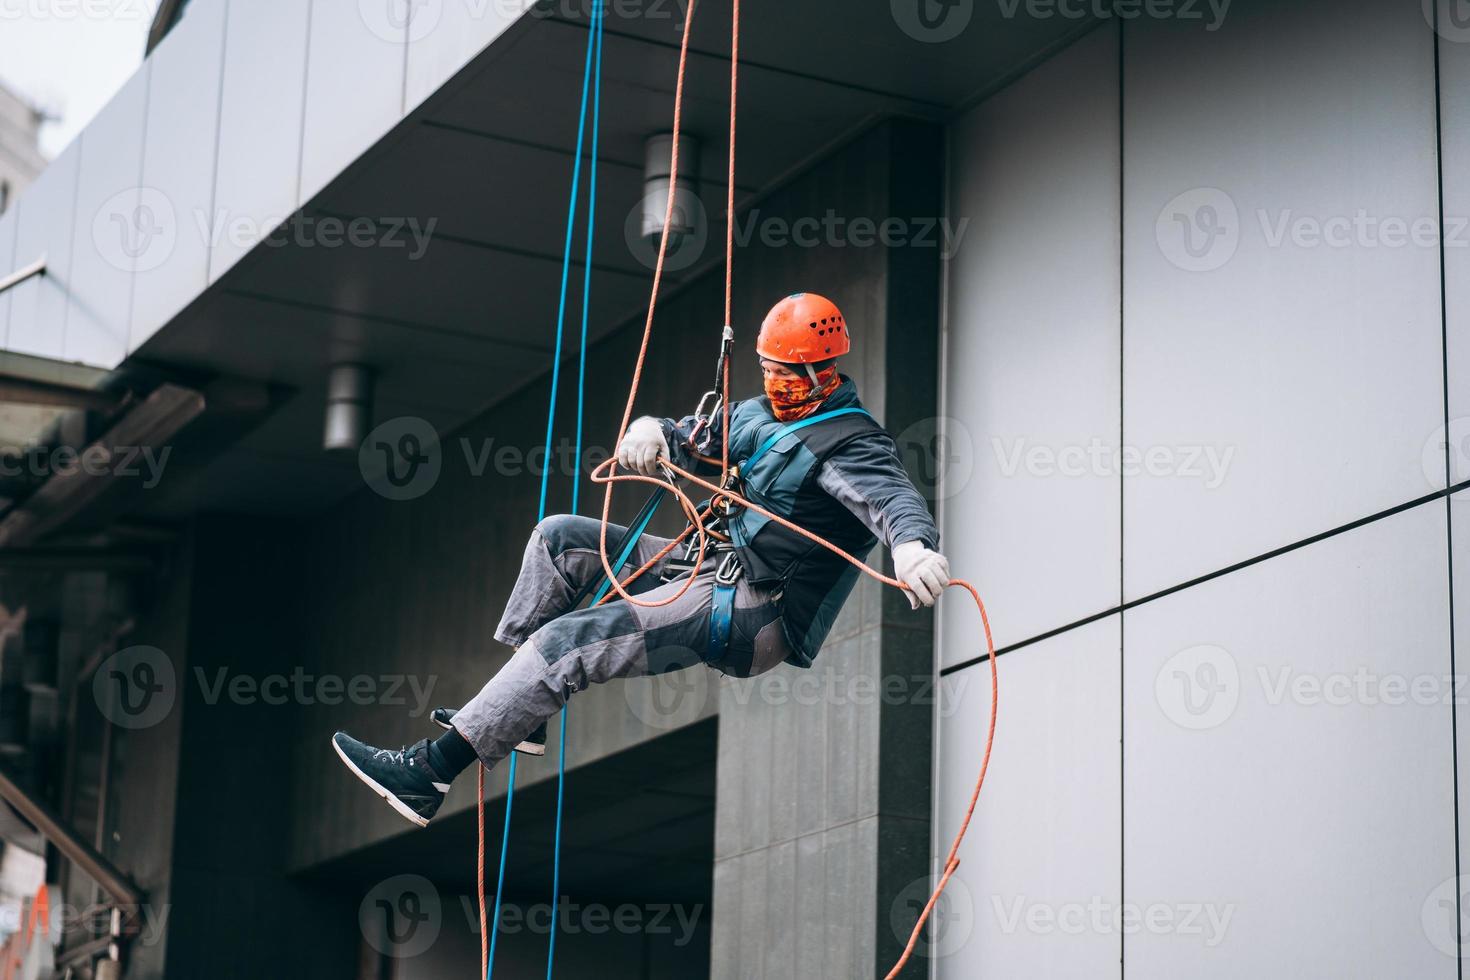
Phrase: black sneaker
(534, 743)
(403, 777)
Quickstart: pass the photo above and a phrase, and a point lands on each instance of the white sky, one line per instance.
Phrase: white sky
(70, 56)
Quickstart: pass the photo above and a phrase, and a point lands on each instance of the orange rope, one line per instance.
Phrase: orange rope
(480, 870)
(730, 233)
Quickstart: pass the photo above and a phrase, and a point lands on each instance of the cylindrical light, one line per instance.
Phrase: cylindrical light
(687, 211)
(349, 407)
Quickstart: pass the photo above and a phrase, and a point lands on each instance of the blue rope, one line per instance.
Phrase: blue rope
(593, 46)
(561, 762)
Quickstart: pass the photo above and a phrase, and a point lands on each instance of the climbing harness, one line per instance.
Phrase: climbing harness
(791, 427)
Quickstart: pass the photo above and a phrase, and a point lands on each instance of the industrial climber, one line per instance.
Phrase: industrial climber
(807, 451)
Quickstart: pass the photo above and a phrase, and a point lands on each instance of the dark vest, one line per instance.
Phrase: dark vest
(778, 464)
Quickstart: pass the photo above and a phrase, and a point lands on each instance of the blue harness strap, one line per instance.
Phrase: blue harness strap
(791, 427)
(722, 608)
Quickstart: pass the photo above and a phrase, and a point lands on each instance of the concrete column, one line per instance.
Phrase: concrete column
(822, 831)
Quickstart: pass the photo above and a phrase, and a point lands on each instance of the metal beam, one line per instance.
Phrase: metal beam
(76, 850)
(27, 391)
(152, 423)
(36, 268)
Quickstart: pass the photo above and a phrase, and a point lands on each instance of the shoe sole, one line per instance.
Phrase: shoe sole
(393, 801)
(525, 748)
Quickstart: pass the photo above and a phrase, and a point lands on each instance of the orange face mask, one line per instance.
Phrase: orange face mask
(796, 398)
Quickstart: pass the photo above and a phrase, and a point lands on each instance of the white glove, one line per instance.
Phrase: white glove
(642, 446)
(925, 572)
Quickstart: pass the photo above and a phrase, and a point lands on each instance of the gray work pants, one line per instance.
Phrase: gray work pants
(561, 651)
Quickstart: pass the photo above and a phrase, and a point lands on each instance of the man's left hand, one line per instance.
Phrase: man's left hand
(925, 572)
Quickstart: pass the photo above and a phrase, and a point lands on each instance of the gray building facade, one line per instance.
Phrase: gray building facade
(1161, 303)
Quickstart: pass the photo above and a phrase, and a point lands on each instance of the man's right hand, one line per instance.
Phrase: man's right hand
(642, 446)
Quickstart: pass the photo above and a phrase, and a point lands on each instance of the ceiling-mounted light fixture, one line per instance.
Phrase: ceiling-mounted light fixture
(688, 214)
(349, 407)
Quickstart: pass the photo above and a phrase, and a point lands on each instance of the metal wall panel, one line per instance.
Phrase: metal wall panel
(38, 306)
(443, 37)
(354, 84)
(1044, 846)
(179, 166)
(1449, 928)
(1454, 114)
(261, 107)
(1280, 312)
(1288, 780)
(1032, 505)
(115, 225)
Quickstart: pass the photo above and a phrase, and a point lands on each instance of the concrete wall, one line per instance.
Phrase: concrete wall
(823, 822)
(1196, 246)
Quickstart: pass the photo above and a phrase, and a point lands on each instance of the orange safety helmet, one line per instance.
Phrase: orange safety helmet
(803, 328)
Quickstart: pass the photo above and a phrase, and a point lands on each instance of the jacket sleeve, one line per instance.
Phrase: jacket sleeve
(867, 477)
(682, 437)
